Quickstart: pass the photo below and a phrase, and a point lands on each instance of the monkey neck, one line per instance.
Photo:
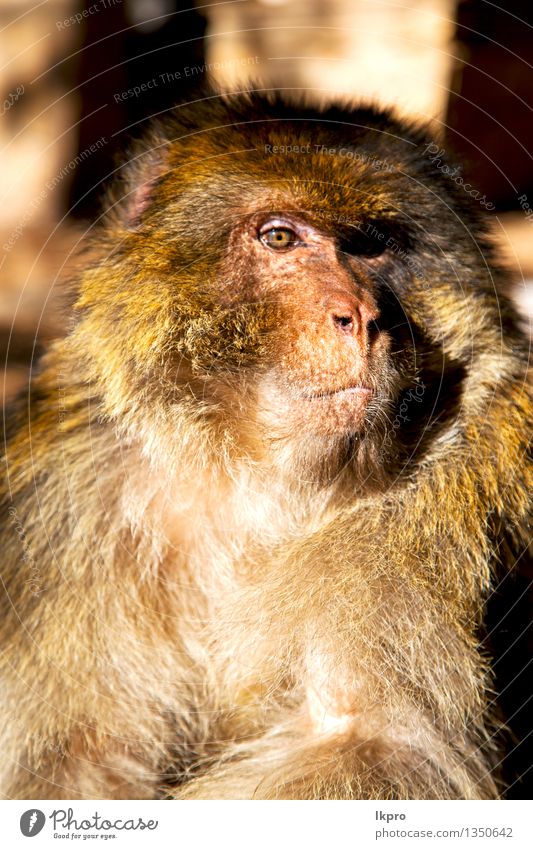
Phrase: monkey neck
(237, 513)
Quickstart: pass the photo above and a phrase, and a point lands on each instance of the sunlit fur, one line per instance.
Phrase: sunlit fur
(208, 593)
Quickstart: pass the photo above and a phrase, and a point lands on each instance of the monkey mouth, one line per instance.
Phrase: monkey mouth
(358, 391)
(337, 411)
(327, 410)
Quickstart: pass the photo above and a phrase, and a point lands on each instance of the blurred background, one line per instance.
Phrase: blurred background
(79, 79)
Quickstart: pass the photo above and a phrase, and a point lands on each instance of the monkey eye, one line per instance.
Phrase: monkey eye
(280, 238)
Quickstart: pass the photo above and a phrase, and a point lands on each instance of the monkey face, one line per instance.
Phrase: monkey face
(274, 286)
(327, 357)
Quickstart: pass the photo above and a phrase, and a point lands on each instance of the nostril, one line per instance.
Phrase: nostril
(343, 322)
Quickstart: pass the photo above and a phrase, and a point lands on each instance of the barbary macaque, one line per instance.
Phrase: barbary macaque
(256, 498)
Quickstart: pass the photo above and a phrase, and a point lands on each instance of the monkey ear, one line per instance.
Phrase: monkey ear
(145, 167)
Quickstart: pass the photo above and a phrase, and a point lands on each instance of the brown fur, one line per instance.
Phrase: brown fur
(214, 586)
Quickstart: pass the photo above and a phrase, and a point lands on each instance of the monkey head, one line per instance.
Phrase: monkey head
(279, 277)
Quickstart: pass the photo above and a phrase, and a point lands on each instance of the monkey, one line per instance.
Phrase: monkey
(256, 498)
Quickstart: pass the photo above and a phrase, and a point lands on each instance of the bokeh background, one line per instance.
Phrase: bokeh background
(79, 79)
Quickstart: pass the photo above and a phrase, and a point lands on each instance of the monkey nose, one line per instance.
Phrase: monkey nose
(344, 323)
(347, 314)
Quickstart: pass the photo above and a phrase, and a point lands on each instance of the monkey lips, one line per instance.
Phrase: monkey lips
(340, 411)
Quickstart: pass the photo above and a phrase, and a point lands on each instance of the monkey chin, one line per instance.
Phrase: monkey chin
(342, 411)
(321, 413)
(321, 437)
